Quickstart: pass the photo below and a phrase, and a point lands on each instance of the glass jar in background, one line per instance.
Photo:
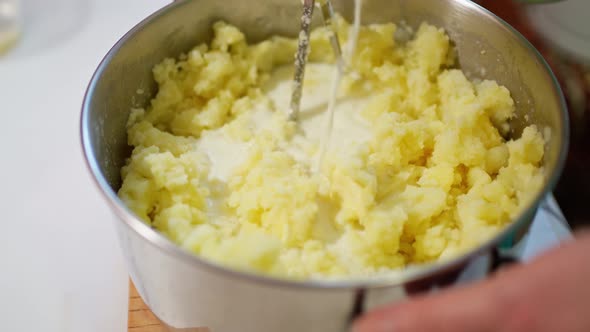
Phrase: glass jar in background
(565, 29)
(10, 23)
(565, 26)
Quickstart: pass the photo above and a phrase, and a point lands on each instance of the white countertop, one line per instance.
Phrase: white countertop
(61, 265)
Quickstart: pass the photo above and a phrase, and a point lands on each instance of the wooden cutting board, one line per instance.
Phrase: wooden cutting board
(141, 319)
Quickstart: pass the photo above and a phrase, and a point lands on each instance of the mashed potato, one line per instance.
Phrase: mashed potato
(416, 171)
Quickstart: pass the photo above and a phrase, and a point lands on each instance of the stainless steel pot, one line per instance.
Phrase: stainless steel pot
(186, 292)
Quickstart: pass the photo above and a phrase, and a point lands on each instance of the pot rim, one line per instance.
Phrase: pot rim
(154, 238)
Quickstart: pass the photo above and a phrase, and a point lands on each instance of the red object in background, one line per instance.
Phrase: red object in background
(573, 190)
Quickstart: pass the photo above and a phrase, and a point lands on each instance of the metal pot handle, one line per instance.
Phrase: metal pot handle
(500, 260)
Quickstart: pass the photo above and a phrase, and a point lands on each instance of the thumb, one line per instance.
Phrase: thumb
(547, 294)
(473, 308)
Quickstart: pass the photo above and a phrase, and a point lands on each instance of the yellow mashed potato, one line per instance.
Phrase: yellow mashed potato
(417, 171)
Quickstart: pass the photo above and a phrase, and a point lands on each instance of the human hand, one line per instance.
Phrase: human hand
(549, 294)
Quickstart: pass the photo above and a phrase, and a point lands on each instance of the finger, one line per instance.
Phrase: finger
(468, 309)
(503, 302)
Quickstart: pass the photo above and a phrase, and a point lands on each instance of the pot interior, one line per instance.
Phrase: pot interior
(486, 48)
